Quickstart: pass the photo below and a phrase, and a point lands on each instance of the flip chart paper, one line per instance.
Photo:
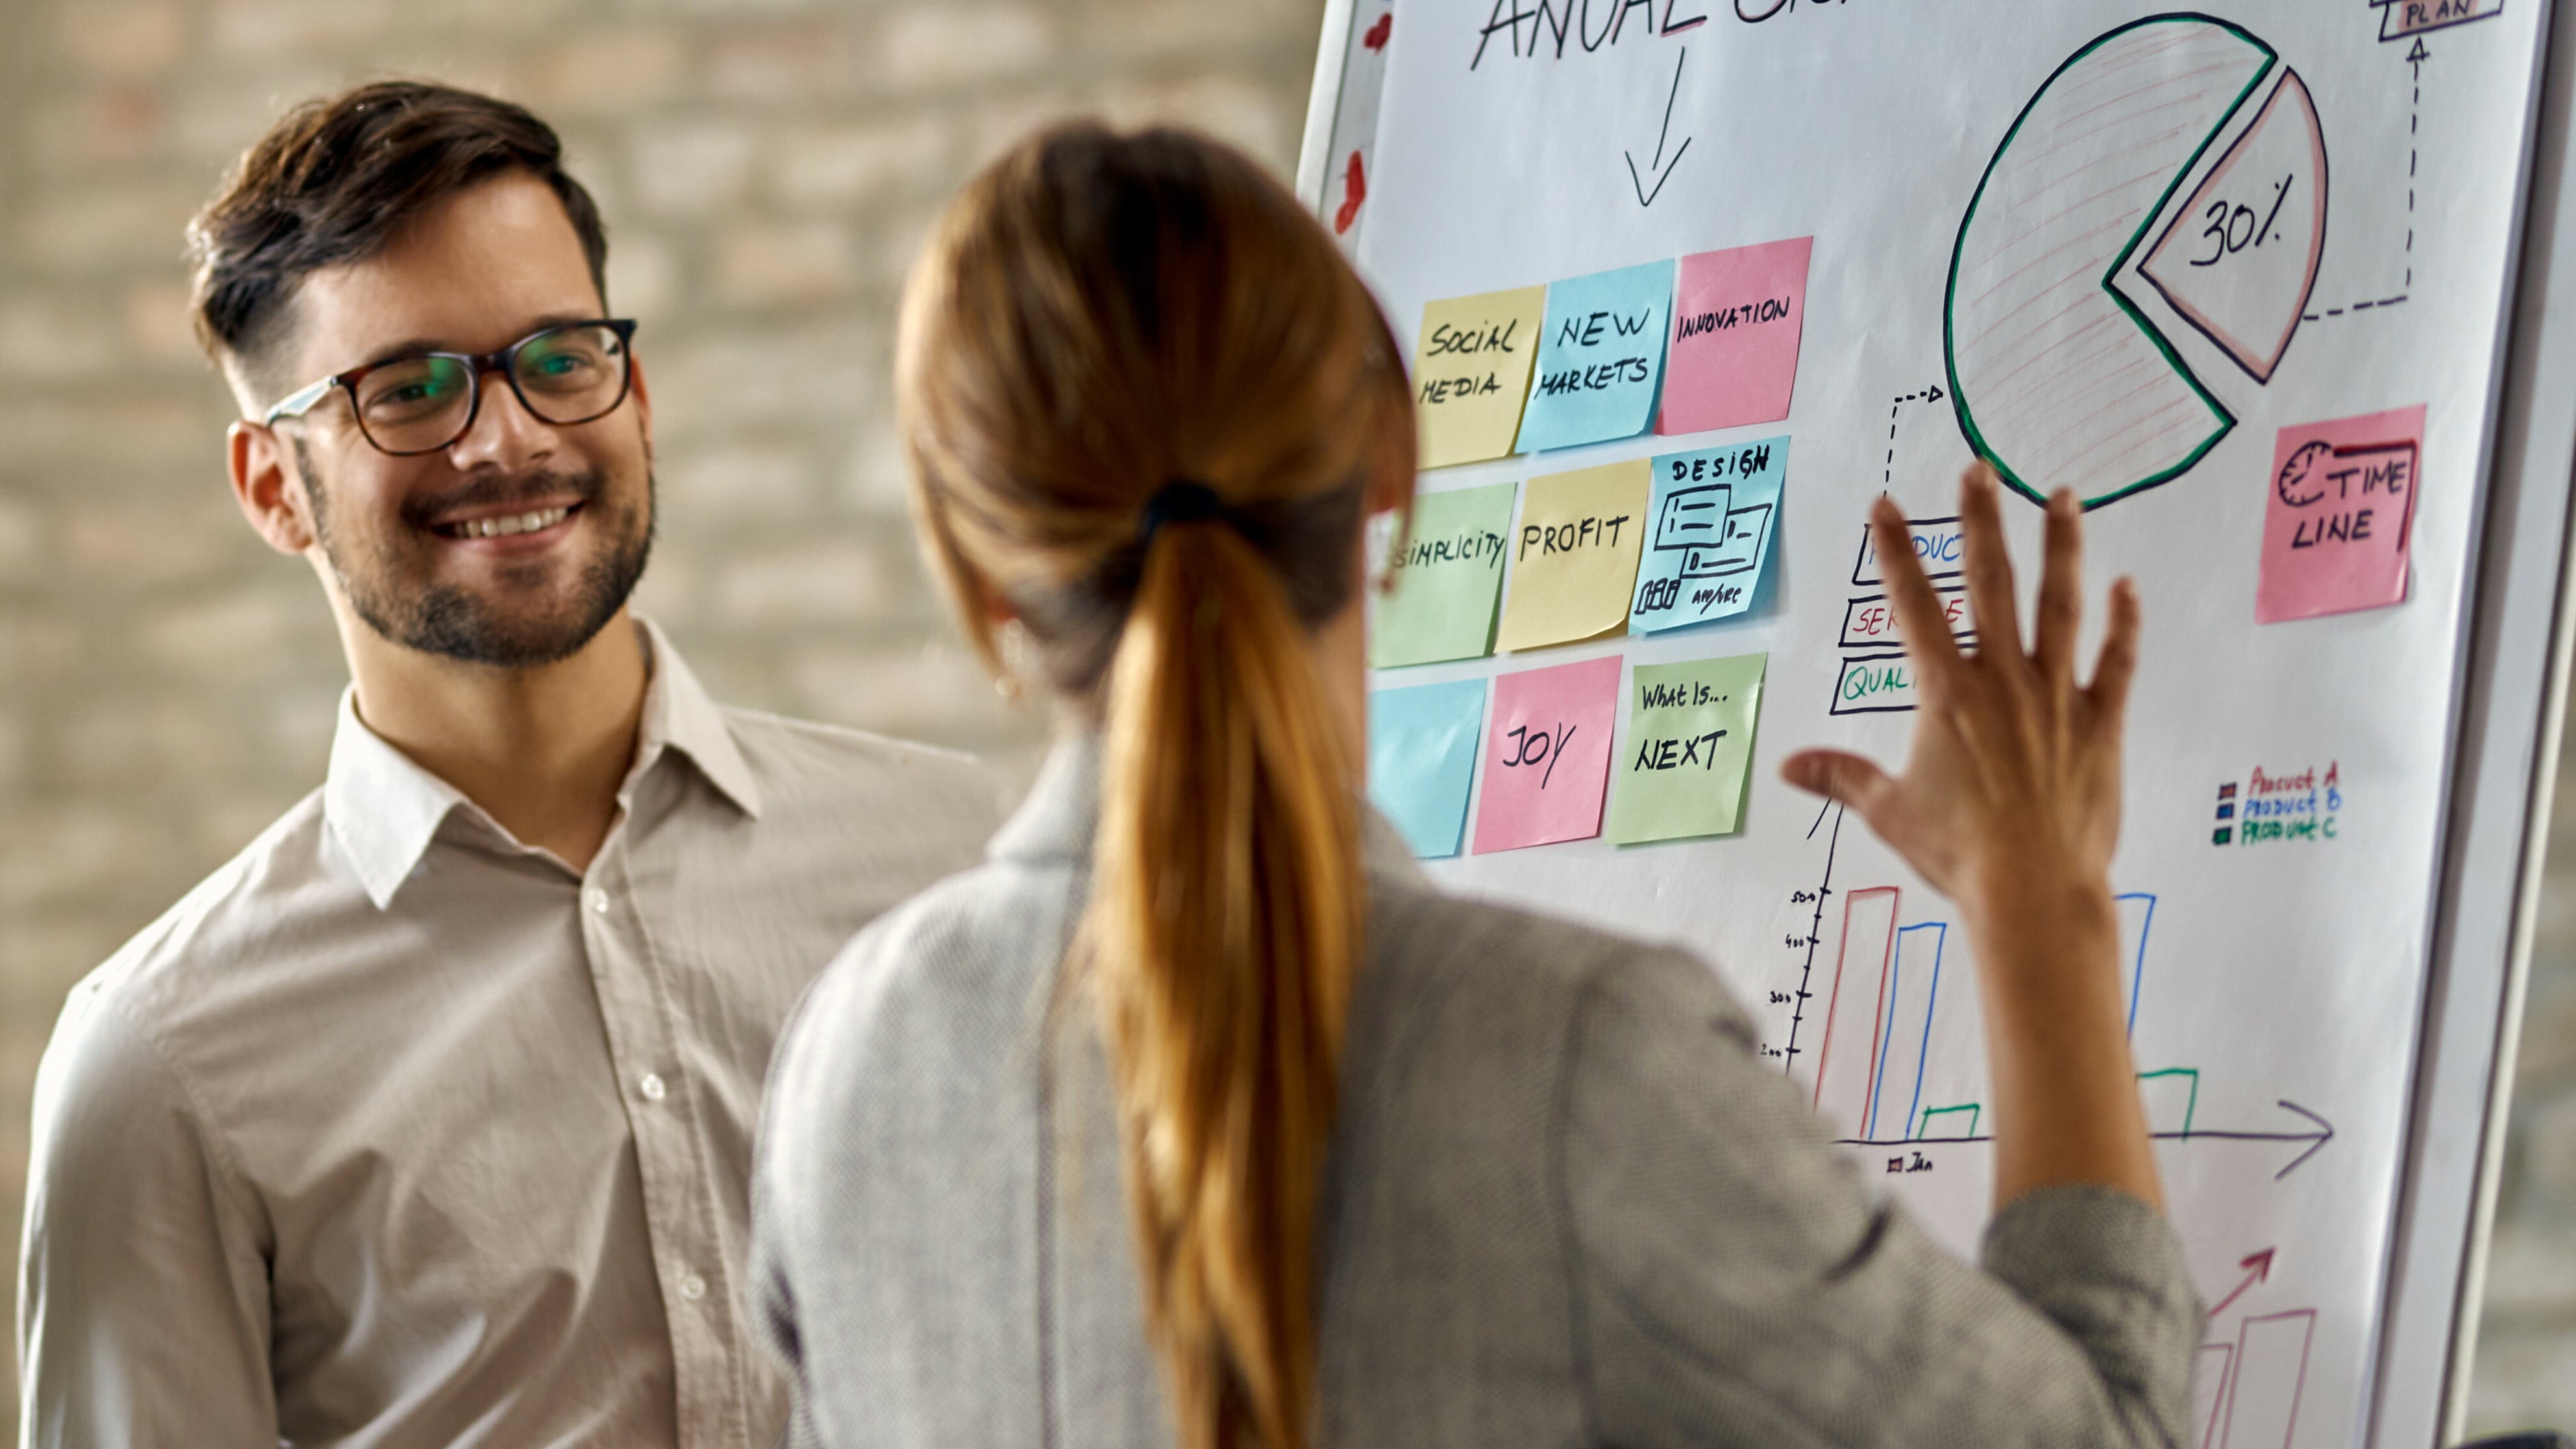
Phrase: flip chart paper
(1600, 357)
(1547, 755)
(1708, 533)
(1471, 371)
(1422, 760)
(1574, 555)
(2336, 531)
(1689, 745)
(1446, 580)
(1737, 316)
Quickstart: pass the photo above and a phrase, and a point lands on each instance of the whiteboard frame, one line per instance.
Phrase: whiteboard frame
(2509, 705)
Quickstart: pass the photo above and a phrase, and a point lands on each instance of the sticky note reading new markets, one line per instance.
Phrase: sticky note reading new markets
(1471, 372)
(1736, 319)
(1547, 755)
(1422, 760)
(1446, 580)
(1600, 358)
(1575, 555)
(1690, 745)
(2336, 532)
(1708, 533)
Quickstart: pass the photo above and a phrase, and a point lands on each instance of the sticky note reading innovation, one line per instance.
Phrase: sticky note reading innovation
(1471, 372)
(1422, 760)
(1446, 580)
(2336, 532)
(1736, 319)
(1547, 755)
(1574, 555)
(1600, 358)
(1690, 746)
(1708, 533)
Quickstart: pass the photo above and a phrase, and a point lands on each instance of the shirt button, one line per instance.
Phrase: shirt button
(652, 1086)
(693, 1287)
(599, 902)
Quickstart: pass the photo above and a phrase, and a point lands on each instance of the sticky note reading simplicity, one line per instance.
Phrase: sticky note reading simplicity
(1471, 372)
(1708, 533)
(1575, 555)
(1446, 580)
(1690, 746)
(1547, 755)
(2336, 532)
(1600, 358)
(1736, 319)
(1422, 760)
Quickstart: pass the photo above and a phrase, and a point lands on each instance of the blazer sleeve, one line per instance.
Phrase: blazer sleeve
(1736, 1283)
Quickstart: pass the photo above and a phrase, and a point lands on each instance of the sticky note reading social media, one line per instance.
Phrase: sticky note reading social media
(1422, 760)
(1574, 555)
(1690, 745)
(1547, 755)
(1736, 320)
(1471, 372)
(1600, 357)
(2337, 529)
(1445, 580)
(1708, 534)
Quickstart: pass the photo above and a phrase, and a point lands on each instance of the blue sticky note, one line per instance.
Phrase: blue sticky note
(1600, 357)
(1709, 533)
(1422, 760)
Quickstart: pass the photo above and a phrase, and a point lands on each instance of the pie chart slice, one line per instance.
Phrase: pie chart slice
(2058, 380)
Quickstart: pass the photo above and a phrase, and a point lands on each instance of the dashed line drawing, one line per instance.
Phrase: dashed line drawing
(1895, 406)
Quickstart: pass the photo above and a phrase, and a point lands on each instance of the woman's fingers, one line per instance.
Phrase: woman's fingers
(2061, 591)
(2119, 662)
(1924, 629)
(1990, 577)
(1845, 778)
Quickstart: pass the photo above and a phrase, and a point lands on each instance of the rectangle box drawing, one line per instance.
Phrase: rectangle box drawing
(1869, 622)
(2271, 1369)
(1875, 684)
(1845, 1059)
(1939, 543)
(1913, 991)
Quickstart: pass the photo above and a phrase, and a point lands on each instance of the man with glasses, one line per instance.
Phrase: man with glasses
(427, 1120)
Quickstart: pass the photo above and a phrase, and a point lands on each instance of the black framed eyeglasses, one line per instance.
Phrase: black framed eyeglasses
(574, 372)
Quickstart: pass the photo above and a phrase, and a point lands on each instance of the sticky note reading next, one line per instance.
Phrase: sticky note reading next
(1445, 580)
(1471, 371)
(1600, 358)
(1574, 555)
(1690, 745)
(1709, 533)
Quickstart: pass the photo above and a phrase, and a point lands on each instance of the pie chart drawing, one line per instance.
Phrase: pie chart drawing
(2058, 376)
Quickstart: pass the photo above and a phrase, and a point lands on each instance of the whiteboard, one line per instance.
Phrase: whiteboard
(2329, 1020)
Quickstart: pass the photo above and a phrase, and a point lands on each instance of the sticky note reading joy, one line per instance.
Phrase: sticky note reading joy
(1736, 319)
(1690, 745)
(1422, 760)
(1708, 533)
(1446, 579)
(1471, 372)
(1547, 755)
(2335, 533)
(1600, 358)
(1575, 555)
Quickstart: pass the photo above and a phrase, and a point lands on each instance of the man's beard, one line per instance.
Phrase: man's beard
(446, 620)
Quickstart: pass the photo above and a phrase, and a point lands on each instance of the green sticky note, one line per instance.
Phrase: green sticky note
(1689, 747)
(1446, 580)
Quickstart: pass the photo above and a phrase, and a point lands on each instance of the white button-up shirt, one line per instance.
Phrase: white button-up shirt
(397, 1132)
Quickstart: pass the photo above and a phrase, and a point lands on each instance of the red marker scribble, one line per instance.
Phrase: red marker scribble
(1376, 37)
(1354, 191)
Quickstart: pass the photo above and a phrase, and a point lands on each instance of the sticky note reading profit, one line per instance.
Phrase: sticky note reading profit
(1547, 755)
(1690, 745)
(1736, 319)
(1446, 580)
(1708, 533)
(2336, 532)
(1422, 760)
(1574, 555)
(1471, 373)
(1600, 358)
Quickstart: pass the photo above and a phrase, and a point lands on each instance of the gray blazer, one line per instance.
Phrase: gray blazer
(1565, 1204)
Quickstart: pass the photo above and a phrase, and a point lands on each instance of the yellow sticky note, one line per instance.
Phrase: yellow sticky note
(1471, 372)
(1574, 556)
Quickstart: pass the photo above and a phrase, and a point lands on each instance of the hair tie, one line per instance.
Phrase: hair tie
(1183, 500)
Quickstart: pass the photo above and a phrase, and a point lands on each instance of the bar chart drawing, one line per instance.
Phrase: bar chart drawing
(1846, 1063)
(2137, 915)
(2263, 1383)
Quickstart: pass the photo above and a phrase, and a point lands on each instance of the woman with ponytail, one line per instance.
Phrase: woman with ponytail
(1197, 1117)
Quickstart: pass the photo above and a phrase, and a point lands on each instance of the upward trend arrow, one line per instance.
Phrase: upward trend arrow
(2258, 1267)
(1659, 168)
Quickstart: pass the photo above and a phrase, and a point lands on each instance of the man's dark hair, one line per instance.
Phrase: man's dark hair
(335, 179)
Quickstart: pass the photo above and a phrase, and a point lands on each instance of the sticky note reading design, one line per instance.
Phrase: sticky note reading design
(1690, 745)
(1547, 755)
(2336, 532)
(1446, 580)
(1736, 319)
(1471, 372)
(1708, 533)
(1422, 760)
(1574, 556)
(1600, 358)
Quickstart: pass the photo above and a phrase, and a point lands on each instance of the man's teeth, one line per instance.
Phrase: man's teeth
(514, 523)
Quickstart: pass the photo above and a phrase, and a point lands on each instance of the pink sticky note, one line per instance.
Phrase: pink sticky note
(1734, 354)
(1547, 755)
(2343, 504)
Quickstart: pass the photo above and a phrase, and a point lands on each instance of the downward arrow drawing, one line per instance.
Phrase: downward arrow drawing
(2258, 1267)
(1659, 168)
